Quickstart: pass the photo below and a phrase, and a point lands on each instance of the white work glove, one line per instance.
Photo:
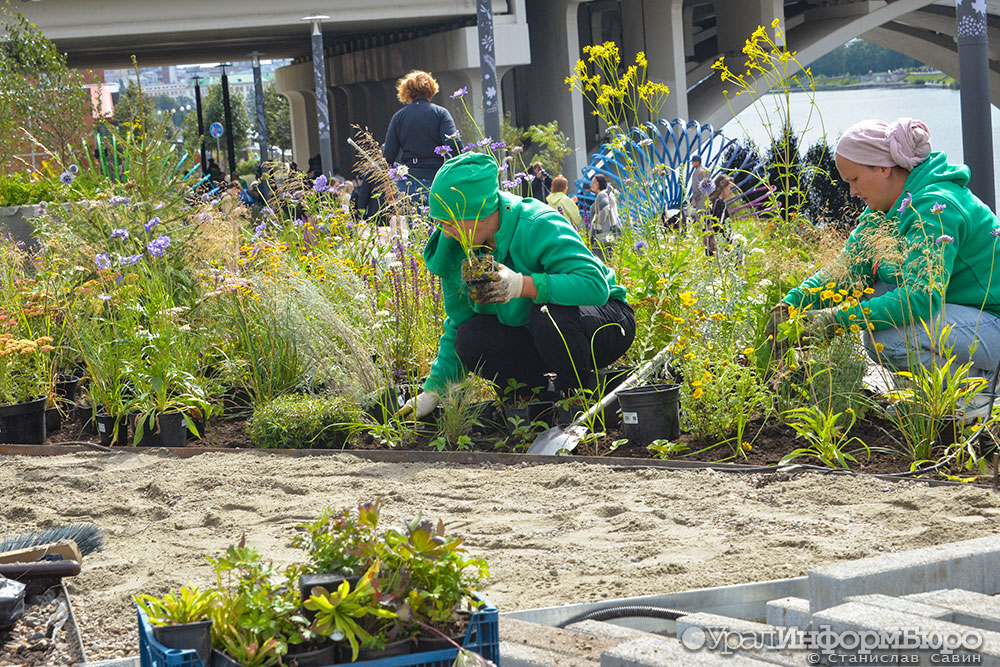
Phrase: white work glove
(419, 406)
(503, 285)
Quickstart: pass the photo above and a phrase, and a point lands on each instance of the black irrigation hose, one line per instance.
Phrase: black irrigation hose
(626, 611)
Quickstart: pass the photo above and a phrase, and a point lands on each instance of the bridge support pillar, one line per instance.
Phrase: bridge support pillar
(305, 134)
(657, 28)
(555, 48)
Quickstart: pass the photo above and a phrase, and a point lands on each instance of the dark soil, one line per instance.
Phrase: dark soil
(769, 441)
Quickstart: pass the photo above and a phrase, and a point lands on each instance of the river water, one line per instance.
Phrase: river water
(839, 109)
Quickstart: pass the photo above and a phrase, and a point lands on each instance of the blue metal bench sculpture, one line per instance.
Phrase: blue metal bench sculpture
(650, 167)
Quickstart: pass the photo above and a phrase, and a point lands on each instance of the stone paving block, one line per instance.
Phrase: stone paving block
(969, 565)
(610, 631)
(901, 604)
(513, 654)
(666, 652)
(766, 634)
(788, 613)
(977, 610)
(854, 617)
(531, 641)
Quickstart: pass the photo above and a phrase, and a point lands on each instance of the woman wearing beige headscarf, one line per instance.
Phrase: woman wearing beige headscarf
(924, 252)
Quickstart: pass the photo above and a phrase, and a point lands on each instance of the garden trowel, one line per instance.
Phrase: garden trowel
(566, 438)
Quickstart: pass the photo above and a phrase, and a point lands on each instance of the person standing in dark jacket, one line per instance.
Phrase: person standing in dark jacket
(417, 131)
(541, 184)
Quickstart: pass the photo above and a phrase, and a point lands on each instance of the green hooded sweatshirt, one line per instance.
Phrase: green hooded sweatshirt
(535, 240)
(937, 239)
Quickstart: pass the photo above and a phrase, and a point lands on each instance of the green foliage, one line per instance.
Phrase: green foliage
(337, 542)
(827, 441)
(299, 421)
(188, 606)
(277, 119)
(861, 57)
(213, 112)
(43, 100)
(339, 615)
(134, 108)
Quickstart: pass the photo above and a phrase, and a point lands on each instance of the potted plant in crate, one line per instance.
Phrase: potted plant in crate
(340, 546)
(181, 620)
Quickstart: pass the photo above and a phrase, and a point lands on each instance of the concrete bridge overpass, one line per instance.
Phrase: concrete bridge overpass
(371, 43)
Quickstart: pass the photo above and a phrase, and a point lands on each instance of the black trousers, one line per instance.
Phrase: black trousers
(499, 353)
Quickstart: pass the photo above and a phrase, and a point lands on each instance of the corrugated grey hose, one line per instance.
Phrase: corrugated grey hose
(626, 611)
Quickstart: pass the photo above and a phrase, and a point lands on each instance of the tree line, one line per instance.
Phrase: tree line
(861, 57)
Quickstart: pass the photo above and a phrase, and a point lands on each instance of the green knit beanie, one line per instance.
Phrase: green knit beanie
(465, 188)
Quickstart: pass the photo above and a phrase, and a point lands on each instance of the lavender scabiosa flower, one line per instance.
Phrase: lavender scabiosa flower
(640, 246)
(905, 203)
(103, 297)
(157, 246)
(444, 150)
(103, 261)
(706, 186)
(120, 234)
(995, 232)
(944, 239)
(129, 260)
(298, 223)
(497, 145)
(158, 206)
(937, 208)
(507, 185)
(115, 201)
(66, 178)
(148, 227)
(320, 184)
(460, 92)
(484, 141)
(259, 230)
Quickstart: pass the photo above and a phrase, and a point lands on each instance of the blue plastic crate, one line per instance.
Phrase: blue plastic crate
(154, 654)
(482, 637)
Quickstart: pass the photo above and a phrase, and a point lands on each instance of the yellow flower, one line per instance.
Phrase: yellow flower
(869, 290)
(855, 328)
(827, 294)
(696, 383)
(879, 347)
(708, 377)
(697, 393)
(831, 285)
(746, 446)
(748, 351)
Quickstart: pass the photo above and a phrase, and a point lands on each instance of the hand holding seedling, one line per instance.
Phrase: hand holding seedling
(500, 286)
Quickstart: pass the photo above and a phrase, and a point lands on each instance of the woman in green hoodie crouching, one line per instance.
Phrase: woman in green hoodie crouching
(550, 307)
(923, 259)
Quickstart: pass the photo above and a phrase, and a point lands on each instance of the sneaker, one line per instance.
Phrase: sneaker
(978, 408)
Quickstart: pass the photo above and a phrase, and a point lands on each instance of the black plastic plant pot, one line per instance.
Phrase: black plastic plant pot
(220, 659)
(86, 415)
(951, 431)
(199, 423)
(169, 430)
(66, 387)
(541, 411)
(186, 636)
(650, 412)
(608, 379)
(23, 423)
(53, 420)
(399, 647)
(108, 432)
(328, 581)
(327, 654)
(386, 404)
(515, 417)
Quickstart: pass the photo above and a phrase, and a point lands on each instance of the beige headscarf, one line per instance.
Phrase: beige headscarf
(874, 143)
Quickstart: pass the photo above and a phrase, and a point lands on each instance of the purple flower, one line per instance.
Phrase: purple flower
(119, 234)
(319, 185)
(706, 186)
(157, 246)
(73, 169)
(149, 225)
(259, 230)
(640, 246)
(484, 141)
(444, 150)
(129, 260)
(497, 145)
(906, 202)
(454, 135)
(298, 223)
(66, 178)
(458, 93)
(937, 208)
(995, 232)
(158, 206)
(399, 173)
(944, 239)
(508, 185)
(103, 297)
(468, 147)
(103, 261)
(424, 210)
(115, 201)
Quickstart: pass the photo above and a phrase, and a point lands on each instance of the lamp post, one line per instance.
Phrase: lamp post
(322, 105)
(228, 111)
(488, 69)
(201, 123)
(974, 76)
(258, 97)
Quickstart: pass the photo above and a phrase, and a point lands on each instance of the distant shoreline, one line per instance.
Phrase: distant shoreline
(870, 85)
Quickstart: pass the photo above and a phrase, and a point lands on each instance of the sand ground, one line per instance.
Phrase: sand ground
(553, 534)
